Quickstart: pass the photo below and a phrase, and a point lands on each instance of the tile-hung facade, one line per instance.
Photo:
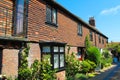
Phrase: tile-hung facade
(48, 28)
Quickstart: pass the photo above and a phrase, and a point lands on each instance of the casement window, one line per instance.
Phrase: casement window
(21, 16)
(51, 15)
(91, 35)
(102, 41)
(80, 29)
(106, 40)
(99, 38)
(56, 53)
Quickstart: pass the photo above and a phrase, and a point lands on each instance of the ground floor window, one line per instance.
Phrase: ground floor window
(56, 51)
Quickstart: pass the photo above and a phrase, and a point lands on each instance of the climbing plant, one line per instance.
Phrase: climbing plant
(37, 71)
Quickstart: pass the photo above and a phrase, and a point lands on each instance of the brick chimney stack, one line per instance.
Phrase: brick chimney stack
(92, 21)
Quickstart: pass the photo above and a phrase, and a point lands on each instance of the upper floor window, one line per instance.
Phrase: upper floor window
(106, 40)
(21, 7)
(80, 29)
(19, 16)
(91, 35)
(51, 15)
(99, 38)
(102, 41)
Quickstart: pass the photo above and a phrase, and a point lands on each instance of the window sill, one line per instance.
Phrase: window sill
(79, 34)
(51, 24)
(61, 69)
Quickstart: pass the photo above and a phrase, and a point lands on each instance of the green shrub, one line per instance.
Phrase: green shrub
(88, 66)
(72, 66)
(38, 70)
(93, 54)
(79, 76)
(105, 62)
(85, 67)
(106, 54)
(24, 72)
(106, 59)
(93, 65)
(46, 72)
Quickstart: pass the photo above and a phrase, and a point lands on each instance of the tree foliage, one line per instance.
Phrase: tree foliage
(93, 54)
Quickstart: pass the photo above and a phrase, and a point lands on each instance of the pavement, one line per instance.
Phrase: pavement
(112, 73)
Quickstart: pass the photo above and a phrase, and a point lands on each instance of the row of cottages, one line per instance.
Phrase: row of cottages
(48, 28)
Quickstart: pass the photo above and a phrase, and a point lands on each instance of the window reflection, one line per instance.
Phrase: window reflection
(20, 16)
(61, 60)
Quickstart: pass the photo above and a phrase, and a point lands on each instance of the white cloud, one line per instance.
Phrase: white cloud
(113, 10)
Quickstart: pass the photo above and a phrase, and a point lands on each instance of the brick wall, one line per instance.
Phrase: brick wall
(60, 75)
(34, 53)
(6, 7)
(65, 32)
(10, 62)
(72, 49)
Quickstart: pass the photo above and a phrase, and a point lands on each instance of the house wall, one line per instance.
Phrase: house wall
(66, 31)
(10, 62)
(6, 7)
(38, 30)
(61, 75)
(34, 53)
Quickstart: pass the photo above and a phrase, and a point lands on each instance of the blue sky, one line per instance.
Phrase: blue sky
(105, 12)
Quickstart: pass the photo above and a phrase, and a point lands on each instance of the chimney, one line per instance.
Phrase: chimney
(92, 21)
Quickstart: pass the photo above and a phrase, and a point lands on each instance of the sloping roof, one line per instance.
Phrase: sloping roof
(74, 16)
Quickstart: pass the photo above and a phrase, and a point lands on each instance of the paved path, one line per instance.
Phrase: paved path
(111, 74)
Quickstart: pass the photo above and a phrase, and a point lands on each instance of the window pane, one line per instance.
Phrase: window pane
(20, 16)
(56, 61)
(54, 16)
(46, 57)
(61, 60)
(46, 49)
(61, 49)
(48, 14)
(91, 35)
(80, 29)
(56, 49)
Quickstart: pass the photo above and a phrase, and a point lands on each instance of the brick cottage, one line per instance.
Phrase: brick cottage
(48, 28)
